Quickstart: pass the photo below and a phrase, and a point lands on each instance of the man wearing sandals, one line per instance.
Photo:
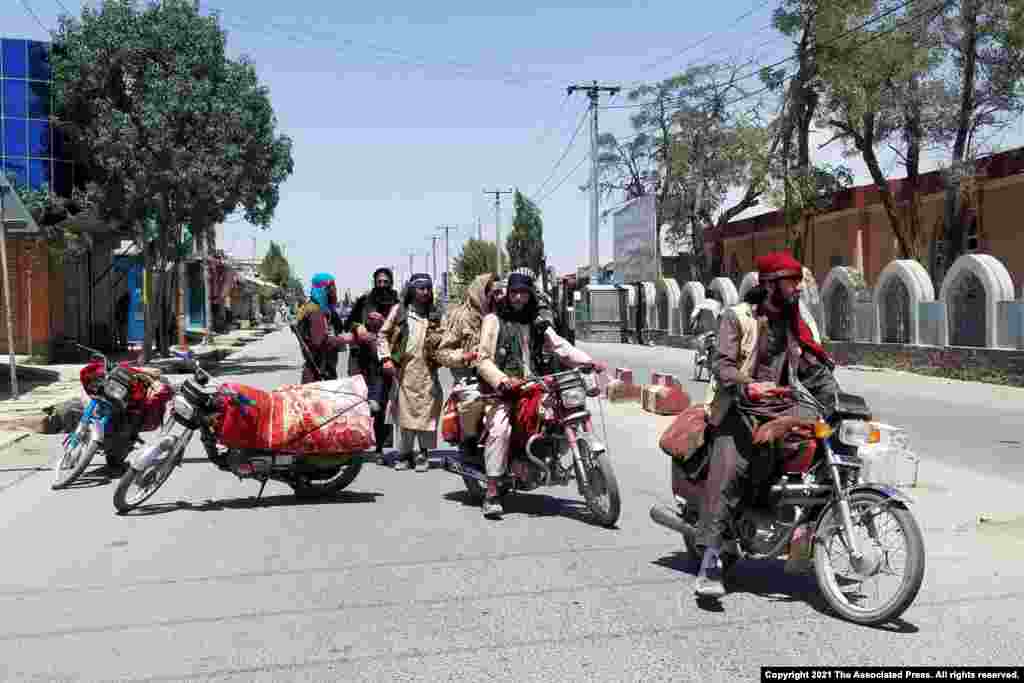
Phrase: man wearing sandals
(760, 342)
(512, 343)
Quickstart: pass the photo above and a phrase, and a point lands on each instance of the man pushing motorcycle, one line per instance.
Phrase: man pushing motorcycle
(761, 342)
(512, 345)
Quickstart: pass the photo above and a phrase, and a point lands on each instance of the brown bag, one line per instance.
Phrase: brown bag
(685, 436)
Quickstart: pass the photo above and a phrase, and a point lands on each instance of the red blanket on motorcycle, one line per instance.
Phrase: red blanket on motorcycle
(322, 418)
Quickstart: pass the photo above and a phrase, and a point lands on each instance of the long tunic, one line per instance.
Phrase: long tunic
(419, 388)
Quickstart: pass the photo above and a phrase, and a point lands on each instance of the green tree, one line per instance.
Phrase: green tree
(476, 258)
(275, 267)
(877, 89)
(984, 42)
(525, 243)
(171, 131)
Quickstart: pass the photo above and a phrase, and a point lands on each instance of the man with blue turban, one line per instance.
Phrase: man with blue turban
(314, 321)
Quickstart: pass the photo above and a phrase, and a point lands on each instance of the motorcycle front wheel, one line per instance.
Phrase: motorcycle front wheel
(138, 486)
(79, 450)
(599, 486)
(893, 547)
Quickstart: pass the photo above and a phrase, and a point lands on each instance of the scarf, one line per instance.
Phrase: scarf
(802, 332)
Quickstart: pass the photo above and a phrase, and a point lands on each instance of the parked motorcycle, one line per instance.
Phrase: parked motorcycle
(120, 402)
(817, 507)
(707, 343)
(308, 436)
(556, 442)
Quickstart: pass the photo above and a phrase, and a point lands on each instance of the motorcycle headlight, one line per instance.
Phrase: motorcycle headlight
(868, 434)
(115, 390)
(183, 408)
(574, 398)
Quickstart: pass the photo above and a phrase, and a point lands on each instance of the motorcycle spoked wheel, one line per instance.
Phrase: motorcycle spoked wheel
(599, 486)
(326, 483)
(829, 533)
(137, 486)
(75, 458)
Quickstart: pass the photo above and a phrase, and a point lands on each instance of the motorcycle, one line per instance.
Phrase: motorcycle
(816, 505)
(120, 402)
(298, 435)
(555, 443)
(706, 346)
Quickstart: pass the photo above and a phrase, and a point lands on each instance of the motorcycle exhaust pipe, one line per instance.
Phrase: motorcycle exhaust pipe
(801, 489)
(667, 517)
(537, 461)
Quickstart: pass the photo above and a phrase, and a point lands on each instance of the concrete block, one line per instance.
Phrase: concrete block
(664, 399)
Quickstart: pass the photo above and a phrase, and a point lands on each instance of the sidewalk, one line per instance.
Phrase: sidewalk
(32, 410)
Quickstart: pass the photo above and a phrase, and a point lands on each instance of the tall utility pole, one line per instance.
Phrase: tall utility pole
(447, 257)
(497, 221)
(7, 294)
(433, 249)
(594, 92)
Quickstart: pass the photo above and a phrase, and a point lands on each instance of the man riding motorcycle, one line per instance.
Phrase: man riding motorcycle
(760, 342)
(512, 343)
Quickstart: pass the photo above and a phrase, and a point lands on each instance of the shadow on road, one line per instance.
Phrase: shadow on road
(251, 502)
(534, 505)
(767, 579)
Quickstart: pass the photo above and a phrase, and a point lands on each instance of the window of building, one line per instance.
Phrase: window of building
(32, 153)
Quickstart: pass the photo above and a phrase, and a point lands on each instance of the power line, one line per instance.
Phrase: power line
(565, 153)
(709, 36)
(826, 44)
(461, 68)
(703, 64)
(31, 12)
(561, 182)
(938, 7)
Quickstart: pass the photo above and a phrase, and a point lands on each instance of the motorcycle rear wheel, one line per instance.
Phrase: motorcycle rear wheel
(335, 480)
(77, 458)
(913, 574)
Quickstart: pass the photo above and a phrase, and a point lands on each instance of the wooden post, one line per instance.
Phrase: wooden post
(180, 305)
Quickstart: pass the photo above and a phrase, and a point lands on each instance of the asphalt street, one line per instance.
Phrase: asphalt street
(399, 578)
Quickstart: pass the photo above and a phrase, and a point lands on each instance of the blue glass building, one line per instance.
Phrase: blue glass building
(31, 149)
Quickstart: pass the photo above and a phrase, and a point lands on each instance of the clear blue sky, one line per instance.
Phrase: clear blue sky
(393, 136)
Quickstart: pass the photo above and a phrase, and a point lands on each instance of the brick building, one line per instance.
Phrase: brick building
(833, 238)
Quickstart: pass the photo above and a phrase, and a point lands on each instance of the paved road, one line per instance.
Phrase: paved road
(399, 579)
(963, 424)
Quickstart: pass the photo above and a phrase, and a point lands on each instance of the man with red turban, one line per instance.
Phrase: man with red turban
(761, 343)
